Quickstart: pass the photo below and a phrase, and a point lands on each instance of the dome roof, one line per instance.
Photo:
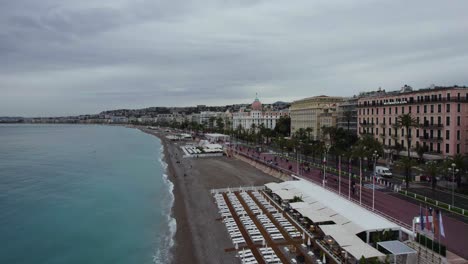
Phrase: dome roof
(256, 105)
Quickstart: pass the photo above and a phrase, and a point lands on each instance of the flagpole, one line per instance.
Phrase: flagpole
(360, 180)
(349, 183)
(339, 175)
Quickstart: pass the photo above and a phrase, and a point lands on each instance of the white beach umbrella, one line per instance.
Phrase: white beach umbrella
(324, 260)
(303, 236)
(236, 246)
(308, 242)
(263, 242)
(243, 256)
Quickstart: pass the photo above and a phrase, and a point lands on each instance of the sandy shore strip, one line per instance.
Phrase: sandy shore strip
(200, 236)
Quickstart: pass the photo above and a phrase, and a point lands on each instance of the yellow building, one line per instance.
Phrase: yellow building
(314, 112)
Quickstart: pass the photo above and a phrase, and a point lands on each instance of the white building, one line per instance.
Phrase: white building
(257, 115)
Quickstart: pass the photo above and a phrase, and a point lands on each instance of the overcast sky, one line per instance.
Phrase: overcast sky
(60, 57)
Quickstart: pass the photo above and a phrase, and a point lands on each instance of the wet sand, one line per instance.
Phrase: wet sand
(200, 236)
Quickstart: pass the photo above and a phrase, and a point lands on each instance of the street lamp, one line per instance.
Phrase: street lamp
(453, 170)
(327, 148)
(375, 156)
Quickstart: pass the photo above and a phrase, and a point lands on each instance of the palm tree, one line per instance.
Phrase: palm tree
(432, 168)
(309, 131)
(406, 163)
(407, 122)
(348, 116)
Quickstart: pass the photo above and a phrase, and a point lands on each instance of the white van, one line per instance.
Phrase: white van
(383, 172)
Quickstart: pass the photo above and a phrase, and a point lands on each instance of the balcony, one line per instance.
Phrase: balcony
(431, 126)
(366, 124)
(433, 139)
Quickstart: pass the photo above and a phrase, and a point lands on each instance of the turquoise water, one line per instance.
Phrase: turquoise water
(82, 194)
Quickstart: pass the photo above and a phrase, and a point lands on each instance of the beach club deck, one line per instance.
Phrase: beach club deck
(259, 230)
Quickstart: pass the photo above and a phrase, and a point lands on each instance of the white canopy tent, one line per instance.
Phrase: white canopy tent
(350, 242)
(361, 217)
(298, 205)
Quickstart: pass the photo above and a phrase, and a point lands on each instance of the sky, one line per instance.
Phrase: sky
(68, 57)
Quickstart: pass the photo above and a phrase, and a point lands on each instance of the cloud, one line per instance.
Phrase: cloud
(71, 57)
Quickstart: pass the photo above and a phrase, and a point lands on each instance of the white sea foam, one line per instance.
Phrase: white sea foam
(163, 255)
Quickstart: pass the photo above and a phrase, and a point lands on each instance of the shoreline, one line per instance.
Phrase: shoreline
(178, 210)
(200, 236)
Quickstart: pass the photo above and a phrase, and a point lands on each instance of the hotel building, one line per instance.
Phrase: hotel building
(314, 112)
(256, 115)
(440, 111)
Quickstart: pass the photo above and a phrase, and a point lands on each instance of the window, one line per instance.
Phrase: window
(359, 111)
(417, 132)
(458, 96)
(372, 111)
(438, 147)
(377, 110)
(402, 109)
(458, 134)
(447, 121)
(396, 110)
(389, 110)
(447, 134)
(447, 148)
(417, 109)
(389, 131)
(448, 99)
(425, 108)
(384, 110)
(389, 120)
(432, 108)
(402, 132)
(432, 120)
(458, 148)
(458, 120)
(367, 110)
(377, 131)
(409, 109)
(389, 142)
(439, 120)
(458, 108)
(448, 108)
(439, 108)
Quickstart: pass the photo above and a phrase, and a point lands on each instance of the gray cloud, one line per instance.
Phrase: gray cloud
(70, 57)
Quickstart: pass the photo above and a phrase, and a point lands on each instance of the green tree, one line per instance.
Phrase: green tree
(283, 126)
(407, 122)
(406, 163)
(432, 168)
(220, 124)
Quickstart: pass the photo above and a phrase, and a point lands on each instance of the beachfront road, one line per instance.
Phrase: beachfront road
(456, 231)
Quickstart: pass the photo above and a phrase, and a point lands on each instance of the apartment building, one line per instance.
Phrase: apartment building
(441, 113)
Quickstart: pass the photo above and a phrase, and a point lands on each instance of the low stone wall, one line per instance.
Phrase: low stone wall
(266, 169)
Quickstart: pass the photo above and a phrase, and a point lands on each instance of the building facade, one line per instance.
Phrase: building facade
(441, 113)
(257, 116)
(314, 112)
(347, 115)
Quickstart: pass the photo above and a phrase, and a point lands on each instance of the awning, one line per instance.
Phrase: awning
(350, 242)
(284, 194)
(314, 215)
(396, 247)
(363, 250)
(298, 205)
(273, 186)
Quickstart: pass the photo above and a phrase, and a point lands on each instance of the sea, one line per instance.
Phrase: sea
(83, 194)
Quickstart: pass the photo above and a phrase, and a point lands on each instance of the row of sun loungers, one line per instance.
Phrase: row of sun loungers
(247, 256)
(269, 255)
(192, 150)
(231, 225)
(286, 225)
(270, 208)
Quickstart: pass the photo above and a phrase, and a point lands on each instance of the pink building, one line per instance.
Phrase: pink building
(440, 111)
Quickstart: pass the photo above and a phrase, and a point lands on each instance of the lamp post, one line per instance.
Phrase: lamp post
(453, 170)
(327, 147)
(375, 156)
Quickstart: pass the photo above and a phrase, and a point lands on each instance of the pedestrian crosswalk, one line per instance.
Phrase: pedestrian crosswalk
(377, 187)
